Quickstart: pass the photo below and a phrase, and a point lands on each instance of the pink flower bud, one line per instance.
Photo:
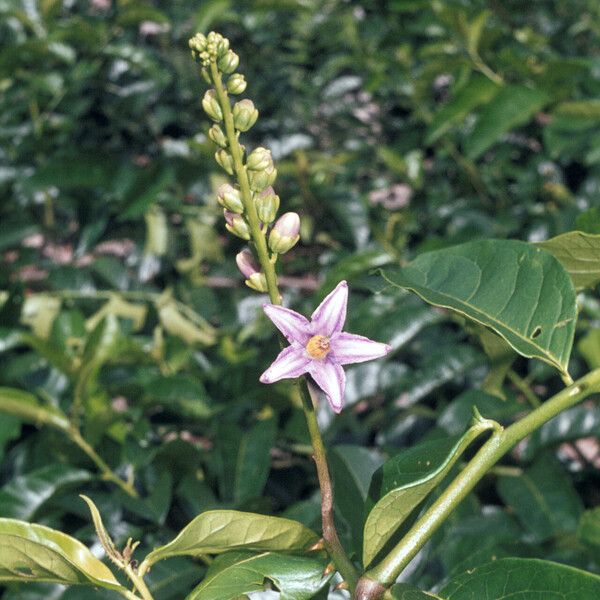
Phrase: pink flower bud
(285, 233)
(246, 263)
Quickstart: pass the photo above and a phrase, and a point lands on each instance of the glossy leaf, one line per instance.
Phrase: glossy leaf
(478, 91)
(519, 291)
(36, 553)
(218, 531)
(404, 481)
(579, 254)
(22, 496)
(543, 499)
(514, 105)
(525, 579)
(237, 573)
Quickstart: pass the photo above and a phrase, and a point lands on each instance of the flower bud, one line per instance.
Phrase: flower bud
(225, 160)
(198, 43)
(267, 205)
(236, 224)
(259, 180)
(285, 233)
(246, 263)
(259, 159)
(211, 107)
(230, 198)
(215, 133)
(244, 115)
(258, 282)
(229, 62)
(236, 84)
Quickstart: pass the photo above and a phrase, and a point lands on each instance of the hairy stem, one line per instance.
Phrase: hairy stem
(330, 536)
(499, 444)
(107, 473)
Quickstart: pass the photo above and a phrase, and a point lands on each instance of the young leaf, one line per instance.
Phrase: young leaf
(404, 481)
(31, 553)
(237, 573)
(217, 531)
(579, 254)
(513, 106)
(25, 406)
(525, 579)
(520, 291)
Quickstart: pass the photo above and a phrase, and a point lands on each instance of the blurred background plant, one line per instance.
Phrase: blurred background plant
(398, 126)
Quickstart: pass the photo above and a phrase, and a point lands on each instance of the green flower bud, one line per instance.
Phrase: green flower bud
(198, 43)
(236, 84)
(236, 224)
(259, 159)
(229, 62)
(225, 160)
(267, 205)
(211, 106)
(285, 233)
(244, 115)
(230, 198)
(258, 282)
(215, 133)
(259, 180)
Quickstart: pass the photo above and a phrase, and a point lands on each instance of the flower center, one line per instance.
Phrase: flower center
(318, 346)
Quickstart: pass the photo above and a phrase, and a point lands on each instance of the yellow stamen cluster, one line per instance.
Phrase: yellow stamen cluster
(318, 347)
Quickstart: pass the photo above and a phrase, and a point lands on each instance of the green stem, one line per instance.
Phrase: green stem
(107, 473)
(524, 388)
(129, 595)
(330, 536)
(258, 236)
(139, 583)
(386, 572)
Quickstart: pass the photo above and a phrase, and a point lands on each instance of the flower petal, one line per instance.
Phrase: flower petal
(293, 325)
(330, 316)
(350, 348)
(330, 377)
(291, 362)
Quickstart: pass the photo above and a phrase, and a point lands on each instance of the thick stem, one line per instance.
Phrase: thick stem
(499, 444)
(139, 583)
(330, 536)
(107, 473)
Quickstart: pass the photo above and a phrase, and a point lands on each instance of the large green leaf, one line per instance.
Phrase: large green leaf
(514, 105)
(22, 496)
(218, 531)
(404, 481)
(520, 291)
(237, 573)
(523, 579)
(405, 591)
(579, 254)
(543, 499)
(36, 553)
(478, 91)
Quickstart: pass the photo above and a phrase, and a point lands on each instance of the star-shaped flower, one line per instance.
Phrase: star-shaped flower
(319, 346)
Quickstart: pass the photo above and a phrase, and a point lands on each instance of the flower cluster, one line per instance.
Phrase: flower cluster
(250, 207)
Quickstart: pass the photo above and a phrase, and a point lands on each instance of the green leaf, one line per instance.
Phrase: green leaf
(405, 591)
(579, 254)
(26, 407)
(588, 109)
(254, 460)
(588, 530)
(525, 579)
(520, 291)
(589, 220)
(476, 27)
(478, 91)
(237, 573)
(218, 531)
(404, 481)
(513, 106)
(589, 346)
(22, 496)
(543, 499)
(31, 553)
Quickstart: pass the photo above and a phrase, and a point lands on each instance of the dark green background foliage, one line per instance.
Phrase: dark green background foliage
(397, 126)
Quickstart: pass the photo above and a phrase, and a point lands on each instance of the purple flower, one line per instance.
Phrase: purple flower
(319, 346)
